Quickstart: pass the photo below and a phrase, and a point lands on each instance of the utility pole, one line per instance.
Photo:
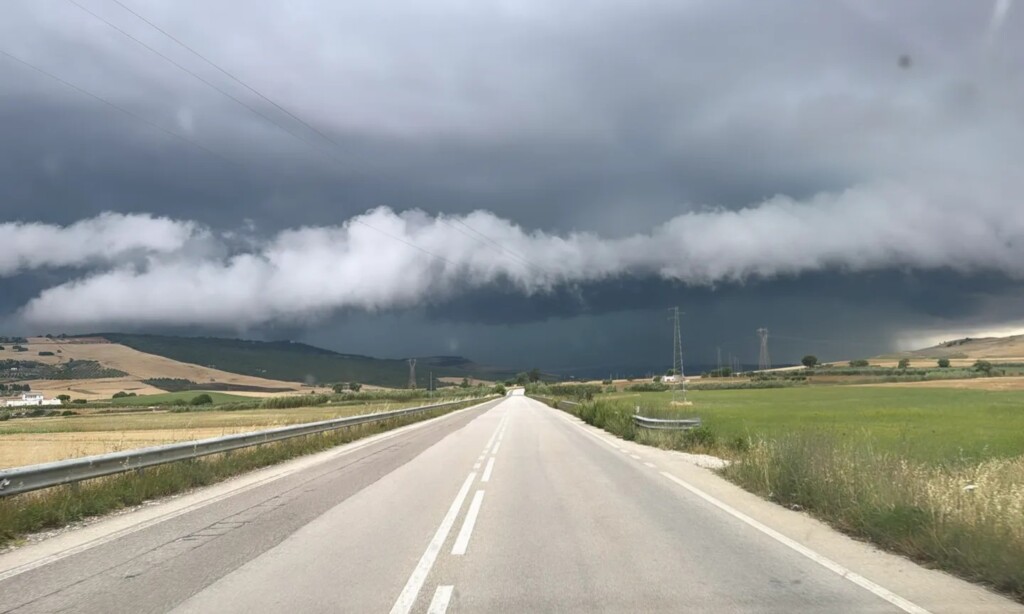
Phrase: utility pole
(430, 384)
(719, 361)
(677, 358)
(412, 374)
(764, 361)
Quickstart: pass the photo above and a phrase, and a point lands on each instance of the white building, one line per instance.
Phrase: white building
(31, 398)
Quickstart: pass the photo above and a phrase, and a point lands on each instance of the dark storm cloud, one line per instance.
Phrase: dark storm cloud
(714, 152)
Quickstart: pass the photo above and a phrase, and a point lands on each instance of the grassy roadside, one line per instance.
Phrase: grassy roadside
(936, 477)
(56, 507)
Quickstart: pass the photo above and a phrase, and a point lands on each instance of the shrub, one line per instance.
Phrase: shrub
(860, 362)
(943, 363)
(809, 361)
(606, 382)
(648, 387)
(45, 353)
(499, 389)
(119, 395)
(64, 398)
(68, 412)
(903, 363)
(201, 399)
(355, 386)
(79, 401)
(983, 366)
(339, 388)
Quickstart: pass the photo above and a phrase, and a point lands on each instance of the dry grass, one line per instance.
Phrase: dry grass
(964, 517)
(978, 383)
(38, 440)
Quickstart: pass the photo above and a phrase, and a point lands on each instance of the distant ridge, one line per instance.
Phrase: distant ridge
(300, 362)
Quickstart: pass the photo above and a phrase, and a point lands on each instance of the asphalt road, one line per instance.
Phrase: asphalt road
(507, 507)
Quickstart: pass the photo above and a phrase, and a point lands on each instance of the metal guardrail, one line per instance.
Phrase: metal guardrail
(665, 425)
(641, 421)
(45, 475)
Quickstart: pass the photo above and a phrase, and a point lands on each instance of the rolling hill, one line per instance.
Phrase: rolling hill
(299, 362)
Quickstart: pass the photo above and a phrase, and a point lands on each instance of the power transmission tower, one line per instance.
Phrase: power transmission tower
(719, 361)
(412, 373)
(677, 358)
(764, 361)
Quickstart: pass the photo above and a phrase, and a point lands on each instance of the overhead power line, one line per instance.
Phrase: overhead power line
(226, 73)
(193, 74)
(119, 108)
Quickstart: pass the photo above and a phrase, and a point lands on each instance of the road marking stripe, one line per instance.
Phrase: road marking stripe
(476, 466)
(439, 604)
(651, 465)
(827, 563)
(275, 472)
(419, 575)
(462, 541)
(496, 446)
(487, 470)
(635, 456)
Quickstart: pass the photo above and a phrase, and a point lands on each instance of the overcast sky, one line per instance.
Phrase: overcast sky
(523, 183)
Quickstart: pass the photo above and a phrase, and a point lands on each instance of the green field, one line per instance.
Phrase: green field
(931, 473)
(170, 397)
(927, 424)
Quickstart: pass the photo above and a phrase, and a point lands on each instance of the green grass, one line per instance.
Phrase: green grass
(927, 424)
(931, 473)
(170, 397)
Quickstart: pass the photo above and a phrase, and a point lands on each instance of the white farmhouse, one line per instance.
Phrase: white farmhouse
(32, 398)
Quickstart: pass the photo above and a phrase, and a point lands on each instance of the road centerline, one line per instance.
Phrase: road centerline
(462, 541)
(487, 470)
(407, 597)
(442, 596)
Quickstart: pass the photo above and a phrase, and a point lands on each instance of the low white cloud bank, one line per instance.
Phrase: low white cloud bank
(379, 260)
(105, 239)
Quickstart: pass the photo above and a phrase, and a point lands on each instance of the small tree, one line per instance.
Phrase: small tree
(499, 389)
(670, 372)
(201, 399)
(809, 361)
(534, 374)
(944, 363)
(983, 366)
(903, 363)
(119, 395)
(339, 388)
(657, 378)
(355, 386)
(465, 383)
(860, 362)
(64, 398)
(522, 378)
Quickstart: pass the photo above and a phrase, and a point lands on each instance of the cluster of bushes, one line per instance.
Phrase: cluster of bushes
(15, 388)
(343, 387)
(648, 387)
(123, 395)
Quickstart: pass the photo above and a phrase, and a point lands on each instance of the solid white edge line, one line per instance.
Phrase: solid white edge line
(462, 541)
(442, 596)
(487, 470)
(859, 580)
(407, 597)
(277, 472)
(827, 563)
